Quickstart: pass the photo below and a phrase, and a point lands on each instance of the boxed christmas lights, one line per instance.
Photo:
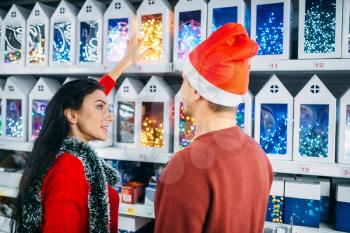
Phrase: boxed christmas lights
(155, 21)
(13, 36)
(90, 31)
(190, 28)
(39, 97)
(38, 32)
(155, 121)
(274, 120)
(221, 12)
(271, 28)
(63, 29)
(314, 123)
(15, 110)
(320, 29)
(343, 155)
(119, 25)
(125, 113)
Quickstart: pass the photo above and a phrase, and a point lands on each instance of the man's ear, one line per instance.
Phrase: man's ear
(71, 115)
(195, 94)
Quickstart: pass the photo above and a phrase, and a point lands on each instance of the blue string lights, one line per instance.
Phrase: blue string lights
(14, 120)
(273, 128)
(270, 28)
(240, 116)
(190, 34)
(38, 114)
(117, 39)
(313, 131)
(62, 36)
(224, 15)
(320, 26)
(88, 41)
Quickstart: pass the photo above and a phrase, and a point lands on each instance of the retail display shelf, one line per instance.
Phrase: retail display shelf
(277, 227)
(139, 210)
(134, 155)
(318, 65)
(279, 166)
(18, 146)
(83, 70)
(4, 224)
(301, 65)
(307, 168)
(8, 192)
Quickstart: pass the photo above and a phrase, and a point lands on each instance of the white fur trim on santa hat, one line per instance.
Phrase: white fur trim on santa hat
(208, 90)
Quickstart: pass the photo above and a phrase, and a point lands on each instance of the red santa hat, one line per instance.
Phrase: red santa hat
(218, 68)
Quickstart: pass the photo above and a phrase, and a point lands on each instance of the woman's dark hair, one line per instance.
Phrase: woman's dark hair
(54, 130)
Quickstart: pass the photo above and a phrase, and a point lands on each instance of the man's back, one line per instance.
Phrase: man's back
(220, 183)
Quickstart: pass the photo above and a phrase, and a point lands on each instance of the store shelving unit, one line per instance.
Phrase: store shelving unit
(289, 167)
(257, 66)
(262, 66)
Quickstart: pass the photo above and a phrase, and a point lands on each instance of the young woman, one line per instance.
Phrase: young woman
(66, 187)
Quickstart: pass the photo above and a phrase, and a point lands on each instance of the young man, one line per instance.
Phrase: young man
(221, 181)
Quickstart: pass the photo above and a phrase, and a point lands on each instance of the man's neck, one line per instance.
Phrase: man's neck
(207, 121)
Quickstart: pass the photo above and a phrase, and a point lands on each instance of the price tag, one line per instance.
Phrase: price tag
(319, 65)
(131, 211)
(346, 172)
(142, 157)
(273, 66)
(304, 169)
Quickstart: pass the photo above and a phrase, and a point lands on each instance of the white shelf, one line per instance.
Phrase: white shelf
(324, 228)
(316, 169)
(279, 166)
(8, 192)
(134, 155)
(83, 70)
(257, 66)
(139, 210)
(19, 146)
(301, 65)
(4, 224)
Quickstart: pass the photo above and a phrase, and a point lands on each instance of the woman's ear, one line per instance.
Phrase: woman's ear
(71, 115)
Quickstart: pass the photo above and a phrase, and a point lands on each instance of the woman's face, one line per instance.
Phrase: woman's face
(93, 118)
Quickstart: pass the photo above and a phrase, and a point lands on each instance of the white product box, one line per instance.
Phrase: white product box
(38, 35)
(90, 33)
(13, 37)
(221, 12)
(63, 27)
(190, 28)
(39, 97)
(271, 28)
(320, 29)
(274, 120)
(15, 111)
(343, 155)
(118, 26)
(314, 123)
(155, 126)
(155, 21)
(125, 113)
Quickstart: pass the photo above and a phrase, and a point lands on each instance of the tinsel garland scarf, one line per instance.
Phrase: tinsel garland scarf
(98, 174)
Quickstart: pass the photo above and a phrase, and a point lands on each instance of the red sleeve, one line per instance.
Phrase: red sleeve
(65, 197)
(107, 82)
(182, 198)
